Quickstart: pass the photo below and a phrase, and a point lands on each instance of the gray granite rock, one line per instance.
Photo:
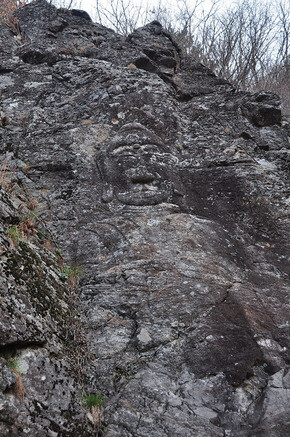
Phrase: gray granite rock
(170, 189)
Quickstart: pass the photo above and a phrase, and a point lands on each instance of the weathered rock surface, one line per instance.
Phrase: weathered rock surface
(40, 393)
(170, 189)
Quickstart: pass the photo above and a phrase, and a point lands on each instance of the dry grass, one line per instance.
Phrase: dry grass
(7, 8)
(6, 176)
(84, 48)
(18, 388)
(32, 204)
(95, 416)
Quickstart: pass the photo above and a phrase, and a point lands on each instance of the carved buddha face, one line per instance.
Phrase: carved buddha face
(140, 169)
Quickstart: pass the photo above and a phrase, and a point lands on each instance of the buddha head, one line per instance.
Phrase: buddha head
(138, 168)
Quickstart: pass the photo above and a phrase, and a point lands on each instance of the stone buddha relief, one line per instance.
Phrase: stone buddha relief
(139, 169)
(154, 176)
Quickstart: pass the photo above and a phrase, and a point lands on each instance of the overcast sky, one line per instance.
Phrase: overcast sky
(90, 5)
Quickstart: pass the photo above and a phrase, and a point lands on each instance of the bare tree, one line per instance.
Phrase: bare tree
(68, 4)
(124, 17)
(7, 9)
(284, 29)
(121, 15)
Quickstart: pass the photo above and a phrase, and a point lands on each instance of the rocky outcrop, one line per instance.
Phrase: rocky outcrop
(169, 188)
(39, 381)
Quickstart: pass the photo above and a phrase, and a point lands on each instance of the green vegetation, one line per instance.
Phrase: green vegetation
(74, 271)
(24, 230)
(59, 253)
(31, 215)
(129, 378)
(72, 274)
(41, 234)
(18, 388)
(94, 400)
(15, 233)
(13, 364)
(27, 166)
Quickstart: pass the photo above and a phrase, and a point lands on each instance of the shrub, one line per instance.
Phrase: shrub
(24, 230)
(18, 387)
(72, 274)
(6, 176)
(7, 8)
(13, 364)
(59, 253)
(27, 227)
(95, 404)
(14, 233)
(94, 400)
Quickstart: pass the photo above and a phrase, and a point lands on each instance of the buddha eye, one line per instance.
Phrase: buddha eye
(122, 151)
(150, 148)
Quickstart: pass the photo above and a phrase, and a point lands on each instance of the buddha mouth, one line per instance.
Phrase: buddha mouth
(143, 196)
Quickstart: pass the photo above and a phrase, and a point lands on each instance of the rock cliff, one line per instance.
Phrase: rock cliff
(169, 188)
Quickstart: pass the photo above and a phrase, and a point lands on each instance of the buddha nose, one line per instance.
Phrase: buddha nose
(141, 175)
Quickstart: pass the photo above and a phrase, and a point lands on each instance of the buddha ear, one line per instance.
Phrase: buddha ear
(108, 193)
